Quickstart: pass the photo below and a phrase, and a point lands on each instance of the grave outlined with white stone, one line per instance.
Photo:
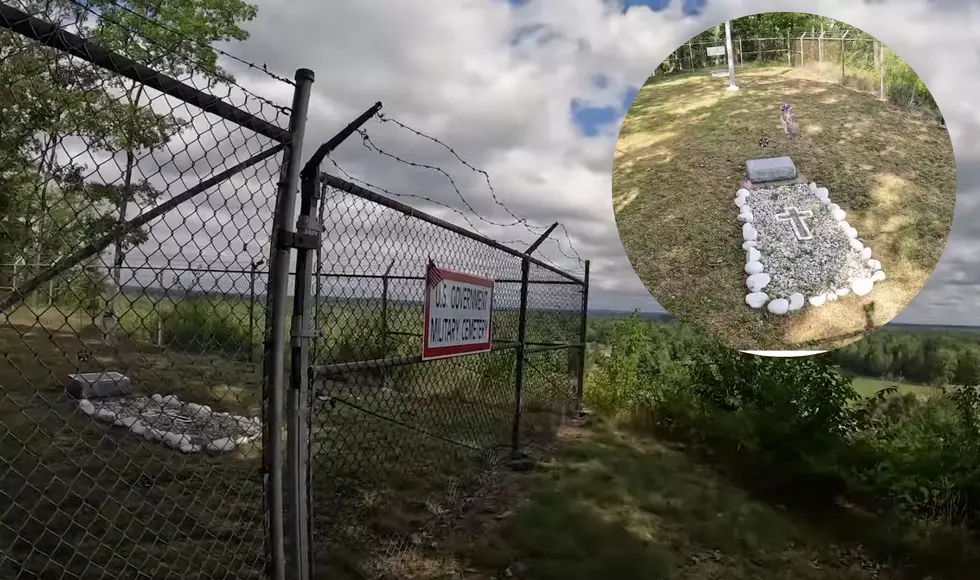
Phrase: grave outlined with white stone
(187, 427)
(800, 250)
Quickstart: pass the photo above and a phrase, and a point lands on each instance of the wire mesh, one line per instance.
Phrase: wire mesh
(399, 445)
(154, 472)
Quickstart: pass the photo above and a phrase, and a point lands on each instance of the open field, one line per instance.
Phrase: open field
(868, 387)
(680, 158)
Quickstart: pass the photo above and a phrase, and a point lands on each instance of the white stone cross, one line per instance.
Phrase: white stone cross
(795, 218)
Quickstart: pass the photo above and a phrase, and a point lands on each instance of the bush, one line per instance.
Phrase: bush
(206, 326)
(797, 424)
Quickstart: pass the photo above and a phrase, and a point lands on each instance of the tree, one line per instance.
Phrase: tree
(967, 367)
(175, 37)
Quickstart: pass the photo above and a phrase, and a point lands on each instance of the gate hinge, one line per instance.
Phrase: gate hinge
(298, 240)
(299, 331)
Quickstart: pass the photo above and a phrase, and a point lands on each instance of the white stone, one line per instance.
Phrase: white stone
(862, 286)
(824, 200)
(856, 244)
(823, 192)
(749, 235)
(842, 291)
(813, 187)
(138, 429)
(175, 440)
(223, 445)
(796, 301)
(171, 402)
(838, 214)
(153, 434)
(831, 296)
(198, 411)
(866, 254)
(742, 192)
(188, 448)
(754, 255)
(878, 276)
(126, 422)
(756, 282)
(818, 300)
(157, 398)
(778, 306)
(874, 264)
(242, 440)
(105, 415)
(749, 244)
(852, 233)
(746, 217)
(86, 407)
(754, 268)
(832, 207)
(739, 201)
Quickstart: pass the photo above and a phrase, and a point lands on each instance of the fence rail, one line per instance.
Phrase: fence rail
(861, 62)
(210, 351)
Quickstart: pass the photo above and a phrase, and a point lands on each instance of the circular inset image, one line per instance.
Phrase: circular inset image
(784, 181)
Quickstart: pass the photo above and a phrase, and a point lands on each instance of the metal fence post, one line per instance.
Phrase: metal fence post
(275, 326)
(583, 333)
(515, 442)
(515, 436)
(384, 321)
(306, 241)
(842, 75)
(789, 50)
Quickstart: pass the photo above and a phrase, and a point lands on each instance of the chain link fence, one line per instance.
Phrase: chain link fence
(130, 405)
(851, 58)
(193, 387)
(399, 445)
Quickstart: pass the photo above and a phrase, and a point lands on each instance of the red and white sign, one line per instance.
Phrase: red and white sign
(458, 310)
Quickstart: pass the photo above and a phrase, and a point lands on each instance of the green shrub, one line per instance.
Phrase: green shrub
(206, 326)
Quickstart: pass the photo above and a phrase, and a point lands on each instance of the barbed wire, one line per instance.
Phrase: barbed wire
(533, 229)
(376, 187)
(282, 110)
(469, 222)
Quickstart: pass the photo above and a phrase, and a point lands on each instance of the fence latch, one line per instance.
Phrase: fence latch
(306, 239)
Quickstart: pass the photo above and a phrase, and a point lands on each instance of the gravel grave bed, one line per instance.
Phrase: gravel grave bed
(188, 427)
(800, 250)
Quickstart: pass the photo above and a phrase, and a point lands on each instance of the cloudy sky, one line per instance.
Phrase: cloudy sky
(534, 91)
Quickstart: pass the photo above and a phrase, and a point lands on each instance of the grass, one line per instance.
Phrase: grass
(393, 453)
(608, 503)
(868, 387)
(681, 156)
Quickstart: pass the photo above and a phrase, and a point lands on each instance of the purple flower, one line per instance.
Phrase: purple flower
(785, 107)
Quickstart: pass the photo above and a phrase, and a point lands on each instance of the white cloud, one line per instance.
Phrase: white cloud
(495, 82)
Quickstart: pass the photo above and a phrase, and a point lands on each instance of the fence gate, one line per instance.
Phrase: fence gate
(392, 443)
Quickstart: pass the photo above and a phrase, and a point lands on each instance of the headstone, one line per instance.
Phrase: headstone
(98, 385)
(770, 169)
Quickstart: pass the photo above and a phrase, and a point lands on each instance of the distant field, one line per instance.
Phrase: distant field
(867, 387)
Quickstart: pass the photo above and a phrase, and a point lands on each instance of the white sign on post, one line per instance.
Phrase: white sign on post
(458, 311)
(716, 51)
